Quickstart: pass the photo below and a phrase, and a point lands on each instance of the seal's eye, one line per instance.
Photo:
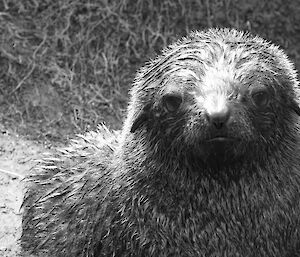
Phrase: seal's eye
(261, 98)
(172, 101)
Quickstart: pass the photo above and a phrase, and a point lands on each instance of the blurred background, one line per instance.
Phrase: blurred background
(67, 65)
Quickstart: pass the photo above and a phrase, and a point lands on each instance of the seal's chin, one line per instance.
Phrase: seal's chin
(219, 149)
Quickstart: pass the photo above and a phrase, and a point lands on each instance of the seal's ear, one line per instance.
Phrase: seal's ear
(142, 117)
(295, 106)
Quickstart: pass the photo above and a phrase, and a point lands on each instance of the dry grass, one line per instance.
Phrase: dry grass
(66, 65)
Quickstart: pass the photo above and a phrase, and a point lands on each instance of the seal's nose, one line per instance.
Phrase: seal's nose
(217, 110)
(218, 118)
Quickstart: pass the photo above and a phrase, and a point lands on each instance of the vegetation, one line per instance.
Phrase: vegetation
(66, 65)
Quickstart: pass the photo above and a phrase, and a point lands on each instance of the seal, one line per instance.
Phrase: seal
(207, 162)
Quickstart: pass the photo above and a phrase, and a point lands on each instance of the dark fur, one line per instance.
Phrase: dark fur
(164, 187)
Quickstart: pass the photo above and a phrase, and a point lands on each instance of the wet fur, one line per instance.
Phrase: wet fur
(157, 189)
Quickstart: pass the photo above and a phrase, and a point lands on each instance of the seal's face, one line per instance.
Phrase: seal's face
(218, 96)
(218, 112)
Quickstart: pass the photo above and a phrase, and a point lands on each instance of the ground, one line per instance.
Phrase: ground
(17, 157)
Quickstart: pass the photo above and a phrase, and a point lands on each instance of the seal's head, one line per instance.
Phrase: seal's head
(215, 97)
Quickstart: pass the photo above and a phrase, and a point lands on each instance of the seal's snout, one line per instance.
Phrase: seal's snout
(218, 119)
(217, 112)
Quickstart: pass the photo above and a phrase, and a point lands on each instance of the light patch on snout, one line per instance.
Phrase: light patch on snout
(215, 103)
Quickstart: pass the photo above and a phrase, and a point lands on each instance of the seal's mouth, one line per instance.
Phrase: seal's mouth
(220, 139)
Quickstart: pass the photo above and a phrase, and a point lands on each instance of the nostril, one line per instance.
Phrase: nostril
(218, 124)
(218, 119)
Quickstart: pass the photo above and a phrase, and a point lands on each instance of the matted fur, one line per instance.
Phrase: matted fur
(161, 187)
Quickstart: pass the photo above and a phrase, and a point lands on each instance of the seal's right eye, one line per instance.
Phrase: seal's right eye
(172, 101)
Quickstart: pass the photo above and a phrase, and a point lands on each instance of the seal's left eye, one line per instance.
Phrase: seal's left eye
(172, 102)
(261, 98)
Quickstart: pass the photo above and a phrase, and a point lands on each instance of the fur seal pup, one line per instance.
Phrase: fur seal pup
(207, 162)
